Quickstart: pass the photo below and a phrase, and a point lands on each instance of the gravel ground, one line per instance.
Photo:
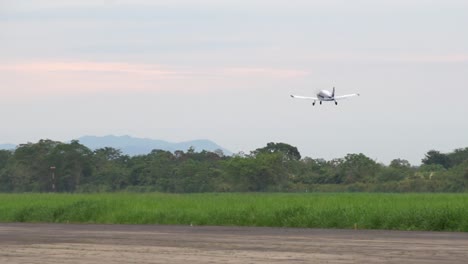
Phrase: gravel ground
(70, 243)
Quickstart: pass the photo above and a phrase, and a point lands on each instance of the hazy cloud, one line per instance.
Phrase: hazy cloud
(223, 70)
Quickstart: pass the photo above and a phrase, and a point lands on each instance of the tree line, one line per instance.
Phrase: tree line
(52, 166)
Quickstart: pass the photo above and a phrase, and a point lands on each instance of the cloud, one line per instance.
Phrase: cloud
(278, 3)
(410, 58)
(77, 77)
(387, 58)
(44, 67)
(151, 70)
(265, 72)
(43, 78)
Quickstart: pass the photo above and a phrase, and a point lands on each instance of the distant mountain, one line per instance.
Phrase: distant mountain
(141, 146)
(7, 146)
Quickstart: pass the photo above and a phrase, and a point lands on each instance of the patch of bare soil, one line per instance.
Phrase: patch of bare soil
(66, 243)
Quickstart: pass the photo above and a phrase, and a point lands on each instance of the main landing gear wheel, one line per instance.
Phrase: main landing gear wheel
(320, 102)
(336, 103)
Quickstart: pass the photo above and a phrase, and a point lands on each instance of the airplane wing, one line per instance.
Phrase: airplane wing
(304, 97)
(345, 96)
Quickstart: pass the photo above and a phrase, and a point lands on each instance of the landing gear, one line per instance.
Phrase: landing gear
(336, 103)
(313, 103)
(320, 102)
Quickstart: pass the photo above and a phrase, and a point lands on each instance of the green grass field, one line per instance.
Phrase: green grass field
(431, 212)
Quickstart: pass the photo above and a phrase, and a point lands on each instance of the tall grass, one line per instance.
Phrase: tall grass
(434, 212)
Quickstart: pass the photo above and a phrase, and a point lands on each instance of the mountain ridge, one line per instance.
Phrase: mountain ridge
(141, 146)
(7, 146)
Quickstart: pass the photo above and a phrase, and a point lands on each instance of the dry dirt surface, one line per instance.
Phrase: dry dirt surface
(67, 243)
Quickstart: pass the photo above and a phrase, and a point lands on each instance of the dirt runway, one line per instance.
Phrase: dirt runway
(67, 243)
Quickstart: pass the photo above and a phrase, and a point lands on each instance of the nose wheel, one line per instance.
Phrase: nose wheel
(336, 103)
(313, 103)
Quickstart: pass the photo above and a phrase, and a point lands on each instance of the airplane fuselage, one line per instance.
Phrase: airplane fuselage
(325, 95)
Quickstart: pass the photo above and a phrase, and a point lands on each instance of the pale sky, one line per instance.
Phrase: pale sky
(179, 70)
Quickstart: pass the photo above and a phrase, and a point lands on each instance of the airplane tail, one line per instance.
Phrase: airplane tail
(333, 93)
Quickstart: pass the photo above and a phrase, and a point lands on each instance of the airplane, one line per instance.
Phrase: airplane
(325, 95)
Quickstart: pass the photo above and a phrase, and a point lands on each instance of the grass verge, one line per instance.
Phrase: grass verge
(429, 212)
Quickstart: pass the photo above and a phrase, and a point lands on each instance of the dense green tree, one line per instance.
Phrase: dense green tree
(457, 157)
(317, 171)
(73, 165)
(400, 164)
(289, 152)
(5, 156)
(435, 157)
(358, 168)
(156, 169)
(398, 170)
(389, 174)
(5, 176)
(110, 171)
(49, 165)
(261, 172)
(31, 165)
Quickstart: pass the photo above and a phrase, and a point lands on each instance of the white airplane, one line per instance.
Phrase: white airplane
(325, 95)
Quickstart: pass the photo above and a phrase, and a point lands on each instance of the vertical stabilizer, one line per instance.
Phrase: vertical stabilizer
(333, 93)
